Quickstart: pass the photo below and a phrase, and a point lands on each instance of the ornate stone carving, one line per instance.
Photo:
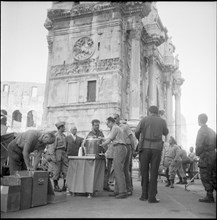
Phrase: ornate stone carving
(154, 32)
(91, 65)
(50, 43)
(80, 9)
(48, 24)
(83, 48)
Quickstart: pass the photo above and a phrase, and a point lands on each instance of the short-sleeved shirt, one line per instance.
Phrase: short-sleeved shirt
(127, 132)
(116, 135)
(60, 141)
(173, 152)
(96, 134)
(32, 138)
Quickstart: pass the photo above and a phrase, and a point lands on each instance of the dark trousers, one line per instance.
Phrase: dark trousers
(16, 160)
(149, 158)
(107, 172)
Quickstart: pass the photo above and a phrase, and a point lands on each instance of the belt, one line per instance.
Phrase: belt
(152, 140)
(61, 148)
(119, 144)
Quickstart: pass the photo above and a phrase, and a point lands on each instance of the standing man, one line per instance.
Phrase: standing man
(61, 157)
(95, 132)
(193, 169)
(73, 142)
(20, 148)
(128, 137)
(206, 150)
(150, 128)
(120, 151)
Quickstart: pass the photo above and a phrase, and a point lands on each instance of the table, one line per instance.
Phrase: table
(85, 174)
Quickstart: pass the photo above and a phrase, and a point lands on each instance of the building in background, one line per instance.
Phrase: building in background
(21, 105)
(109, 57)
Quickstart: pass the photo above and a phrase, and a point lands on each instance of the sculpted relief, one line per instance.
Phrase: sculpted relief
(90, 65)
(83, 48)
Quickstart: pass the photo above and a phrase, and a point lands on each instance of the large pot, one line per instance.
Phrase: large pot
(92, 146)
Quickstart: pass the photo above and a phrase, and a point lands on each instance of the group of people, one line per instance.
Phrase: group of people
(119, 148)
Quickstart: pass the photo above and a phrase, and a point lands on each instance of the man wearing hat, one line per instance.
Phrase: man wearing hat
(149, 133)
(61, 157)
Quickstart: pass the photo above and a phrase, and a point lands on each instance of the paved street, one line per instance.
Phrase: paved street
(174, 203)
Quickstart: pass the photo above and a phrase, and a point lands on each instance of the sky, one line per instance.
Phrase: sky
(192, 26)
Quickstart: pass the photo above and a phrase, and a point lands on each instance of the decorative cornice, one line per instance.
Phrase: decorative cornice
(127, 8)
(48, 24)
(84, 106)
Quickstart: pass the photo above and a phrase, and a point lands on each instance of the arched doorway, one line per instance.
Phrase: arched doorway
(16, 119)
(31, 119)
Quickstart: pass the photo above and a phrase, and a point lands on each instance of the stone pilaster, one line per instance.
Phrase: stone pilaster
(45, 104)
(135, 35)
(169, 104)
(177, 92)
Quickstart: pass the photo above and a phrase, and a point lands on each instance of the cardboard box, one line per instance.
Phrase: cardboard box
(10, 198)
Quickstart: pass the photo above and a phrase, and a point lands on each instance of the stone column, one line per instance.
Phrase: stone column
(152, 93)
(178, 130)
(135, 75)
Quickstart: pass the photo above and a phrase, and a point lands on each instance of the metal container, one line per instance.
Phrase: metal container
(92, 146)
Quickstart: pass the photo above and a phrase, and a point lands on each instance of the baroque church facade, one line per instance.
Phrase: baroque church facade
(109, 57)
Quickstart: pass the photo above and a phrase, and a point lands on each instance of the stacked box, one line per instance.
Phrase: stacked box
(10, 198)
(25, 183)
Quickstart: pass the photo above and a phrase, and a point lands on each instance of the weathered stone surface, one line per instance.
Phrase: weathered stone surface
(122, 46)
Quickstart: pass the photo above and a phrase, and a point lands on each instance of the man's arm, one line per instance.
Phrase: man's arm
(38, 158)
(165, 129)
(27, 149)
(111, 137)
(138, 130)
(199, 143)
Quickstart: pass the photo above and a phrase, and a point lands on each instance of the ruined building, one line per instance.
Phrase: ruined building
(109, 57)
(21, 105)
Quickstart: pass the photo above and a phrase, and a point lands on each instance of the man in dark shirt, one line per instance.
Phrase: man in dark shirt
(95, 132)
(73, 142)
(206, 150)
(149, 133)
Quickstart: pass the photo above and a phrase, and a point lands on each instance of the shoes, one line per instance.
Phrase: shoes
(113, 194)
(172, 186)
(108, 189)
(168, 184)
(64, 188)
(180, 182)
(207, 200)
(121, 196)
(154, 201)
(143, 199)
(130, 193)
(57, 188)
